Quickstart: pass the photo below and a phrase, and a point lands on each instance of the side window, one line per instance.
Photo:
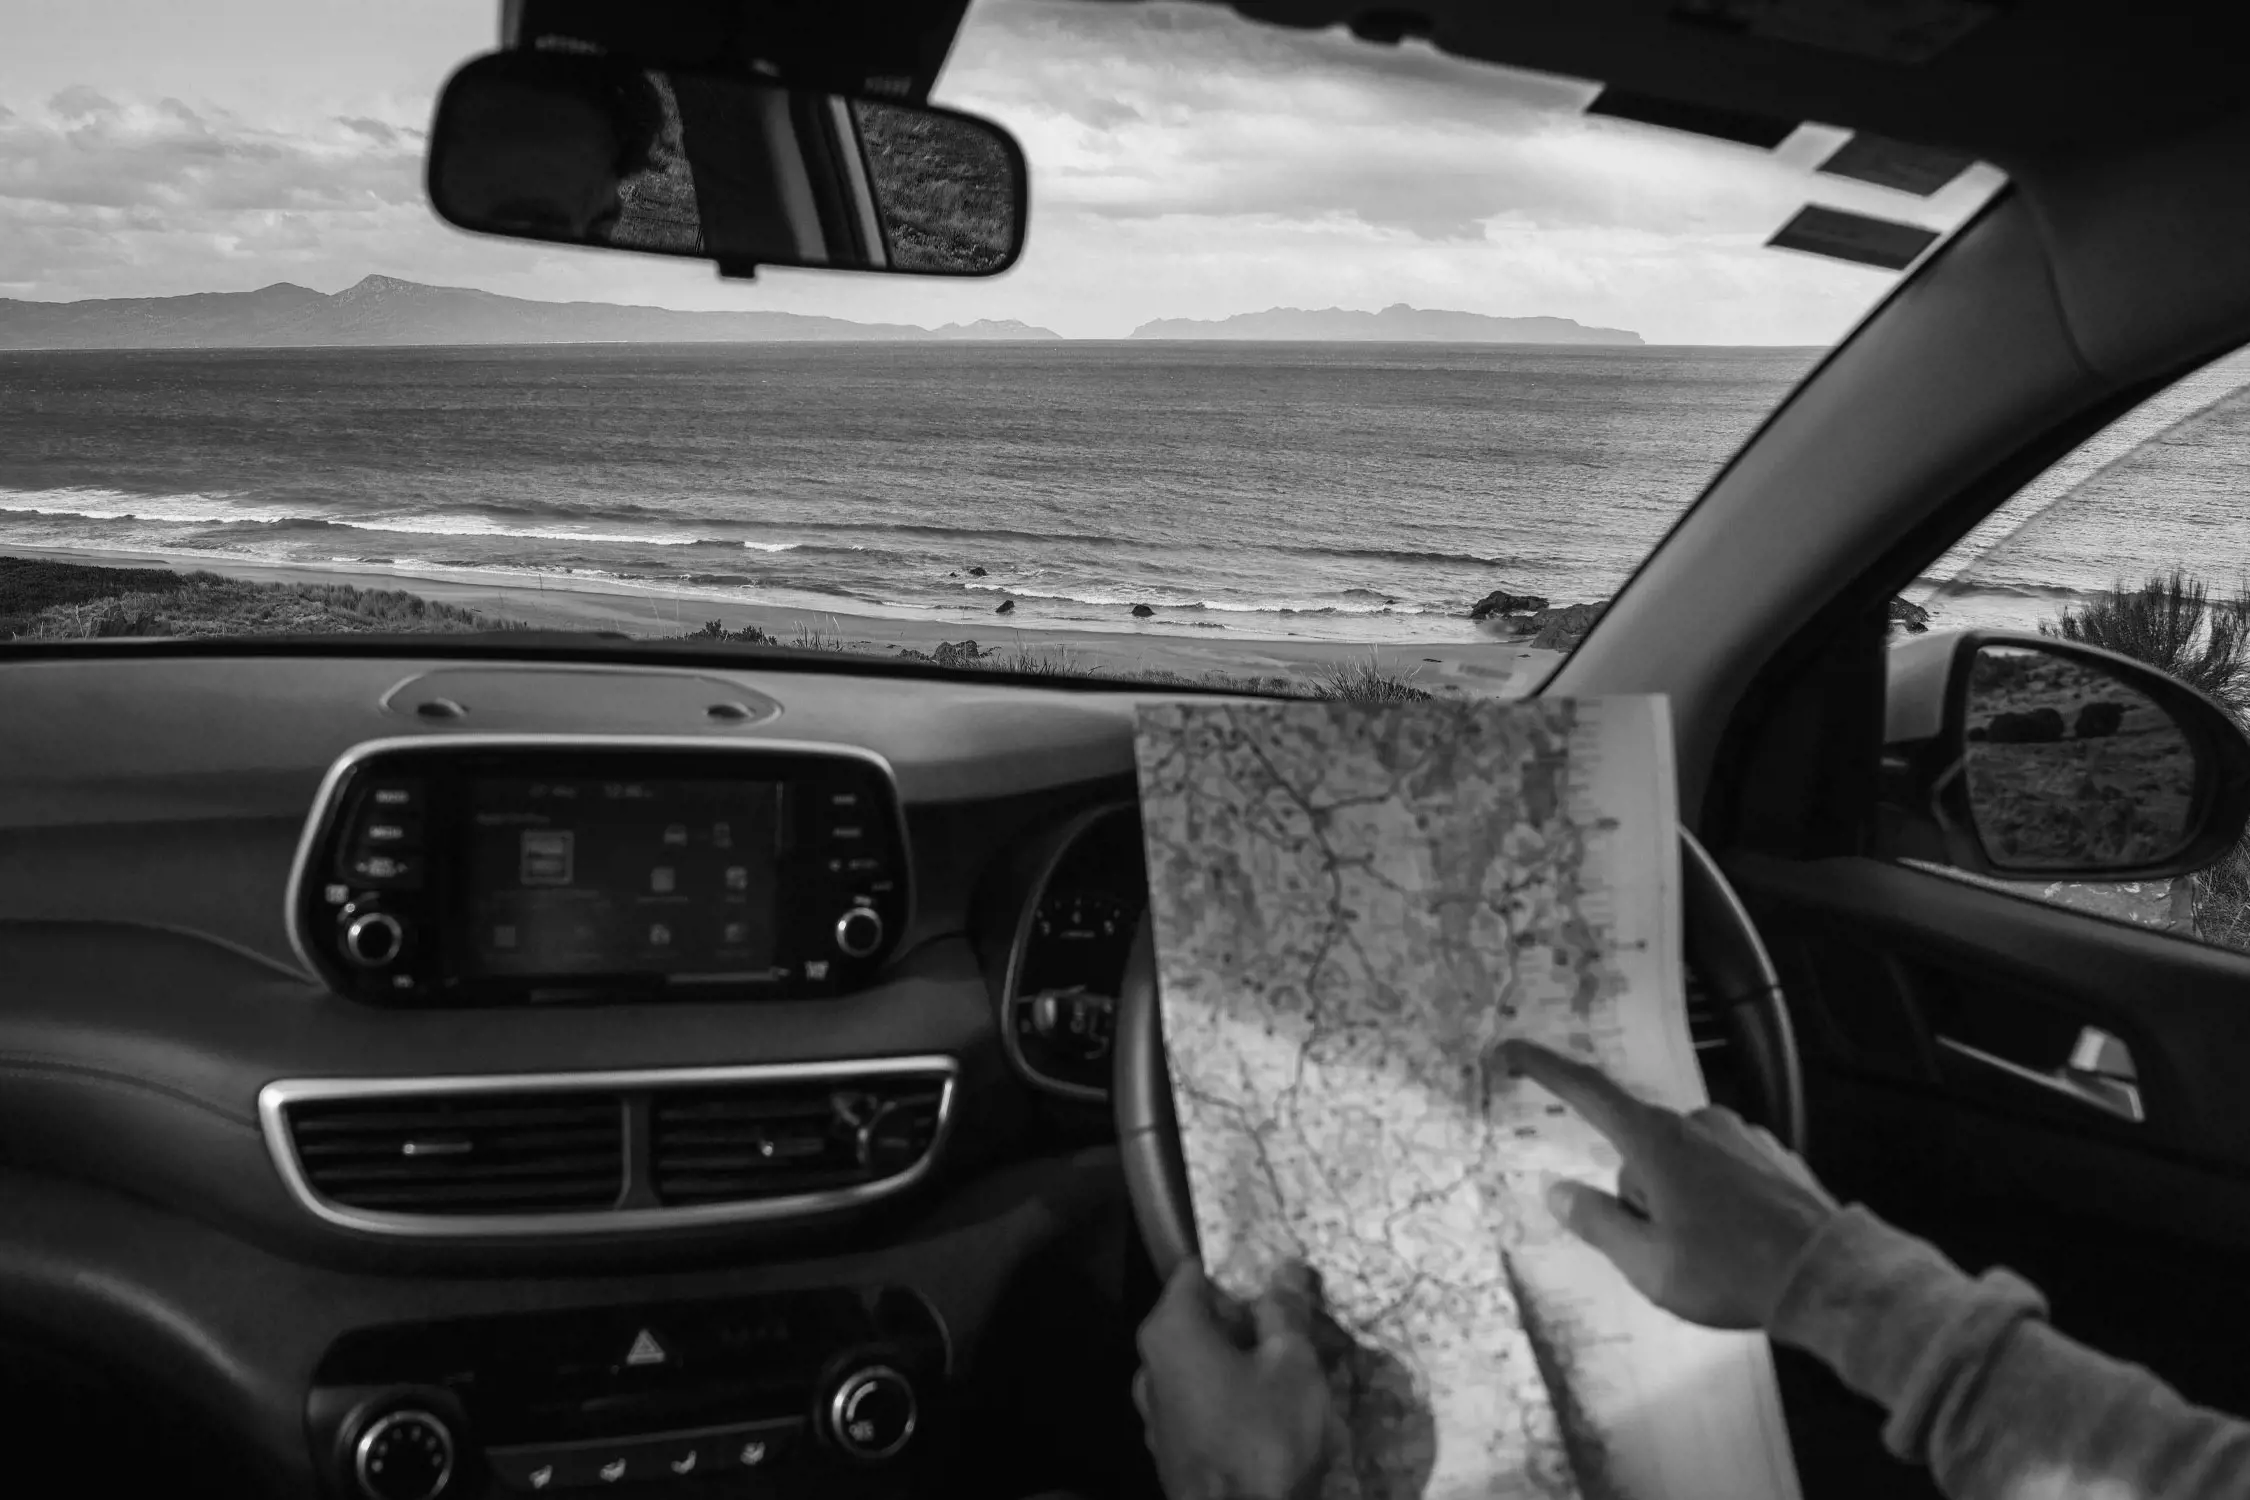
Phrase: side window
(2138, 541)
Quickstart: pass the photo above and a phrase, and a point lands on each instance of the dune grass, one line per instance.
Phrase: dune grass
(44, 600)
(205, 604)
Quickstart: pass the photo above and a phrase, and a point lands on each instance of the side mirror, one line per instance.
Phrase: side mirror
(2024, 757)
(584, 149)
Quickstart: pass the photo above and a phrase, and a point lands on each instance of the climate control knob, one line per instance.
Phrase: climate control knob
(404, 1455)
(873, 1412)
(373, 938)
(859, 931)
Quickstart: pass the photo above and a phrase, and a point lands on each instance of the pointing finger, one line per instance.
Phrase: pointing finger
(1627, 1122)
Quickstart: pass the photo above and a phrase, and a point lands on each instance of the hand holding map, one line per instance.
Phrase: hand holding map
(1241, 1409)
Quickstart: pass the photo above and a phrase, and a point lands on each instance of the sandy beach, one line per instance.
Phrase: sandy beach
(1482, 668)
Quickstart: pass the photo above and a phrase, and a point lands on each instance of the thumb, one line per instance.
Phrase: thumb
(1624, 1237)
(1285, 1312)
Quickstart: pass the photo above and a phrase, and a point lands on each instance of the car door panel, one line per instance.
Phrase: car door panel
(2138, 1232)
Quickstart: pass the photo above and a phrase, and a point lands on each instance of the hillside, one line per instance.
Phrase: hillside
(1396, 323)
(384, 310)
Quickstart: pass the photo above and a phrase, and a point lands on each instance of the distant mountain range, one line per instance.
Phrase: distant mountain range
(385, 310)
(1398, 322)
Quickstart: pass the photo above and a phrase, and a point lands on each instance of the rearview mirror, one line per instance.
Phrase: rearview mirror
(582, 149)
(2022, 756)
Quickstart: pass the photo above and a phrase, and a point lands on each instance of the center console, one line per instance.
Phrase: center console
(498, 870)
(819, 1392)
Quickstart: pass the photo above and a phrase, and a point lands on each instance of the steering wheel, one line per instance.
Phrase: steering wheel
(1723, 947)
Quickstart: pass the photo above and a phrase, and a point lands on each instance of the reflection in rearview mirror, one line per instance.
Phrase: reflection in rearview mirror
(2069, 768)
(590, 150)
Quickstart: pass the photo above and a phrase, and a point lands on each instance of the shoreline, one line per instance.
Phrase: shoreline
(1481, 668)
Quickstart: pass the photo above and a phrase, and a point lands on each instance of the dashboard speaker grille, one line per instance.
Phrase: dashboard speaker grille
(494, 1154)
(741, 1143)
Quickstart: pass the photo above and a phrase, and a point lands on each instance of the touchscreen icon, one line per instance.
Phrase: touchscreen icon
(546, 856)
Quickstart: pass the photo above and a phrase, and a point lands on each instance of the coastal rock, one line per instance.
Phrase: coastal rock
(1007, 607)
(2040, 726)
(947, 654)
(1561, 629)
(976, 572)
(956, 653)
(1912, 618)
(2098, 721)
(1501, 602)
(1142, 611)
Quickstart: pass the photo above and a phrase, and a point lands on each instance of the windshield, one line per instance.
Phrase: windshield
(1328, 367)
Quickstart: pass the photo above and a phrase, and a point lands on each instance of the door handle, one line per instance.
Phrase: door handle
(2099, 1074)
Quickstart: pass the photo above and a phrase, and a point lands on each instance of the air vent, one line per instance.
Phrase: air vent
(748, 1142)
(507, 1153)
(1707, 1028)
(533, 1154)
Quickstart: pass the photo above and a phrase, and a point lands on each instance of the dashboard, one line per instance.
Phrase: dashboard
(426, 1078)
(475, 1079)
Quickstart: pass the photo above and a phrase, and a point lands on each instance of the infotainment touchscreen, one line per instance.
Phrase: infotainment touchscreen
(489, 870)
(594, 876)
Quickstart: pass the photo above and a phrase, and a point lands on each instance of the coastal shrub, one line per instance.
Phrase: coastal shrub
(1367, 682)
(716, 630)
(394, 609)
(31, 584)
(2221, 895)
(2172, 623)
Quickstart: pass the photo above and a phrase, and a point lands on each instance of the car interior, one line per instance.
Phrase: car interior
(315, 1178)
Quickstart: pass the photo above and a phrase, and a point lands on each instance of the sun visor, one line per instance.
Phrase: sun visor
(1818, 230)
(1891, 31)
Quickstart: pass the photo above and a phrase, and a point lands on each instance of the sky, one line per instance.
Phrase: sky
(1184, 163)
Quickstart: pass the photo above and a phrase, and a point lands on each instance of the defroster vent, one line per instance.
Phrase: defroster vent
(496, 1154)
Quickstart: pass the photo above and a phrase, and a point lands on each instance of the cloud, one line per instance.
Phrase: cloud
(1185, 162)
(85, 149)
(99, 193)
(1146, 111)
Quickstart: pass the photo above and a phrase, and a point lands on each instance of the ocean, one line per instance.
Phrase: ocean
(1344, 492)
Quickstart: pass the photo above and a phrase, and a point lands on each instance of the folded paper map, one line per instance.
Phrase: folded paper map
(1354, 906)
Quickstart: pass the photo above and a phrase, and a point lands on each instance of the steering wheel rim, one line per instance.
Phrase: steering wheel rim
(1722, 944)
